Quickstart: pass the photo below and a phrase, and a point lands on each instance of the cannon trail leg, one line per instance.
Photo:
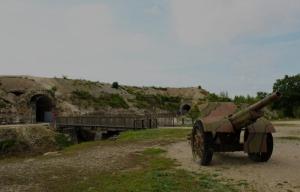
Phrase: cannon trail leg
(202, 144)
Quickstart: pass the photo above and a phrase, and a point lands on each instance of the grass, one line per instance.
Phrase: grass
(145, 171)
(147, 135)
(159, 101)
(155, 134)
(86, 99)
(151, 172)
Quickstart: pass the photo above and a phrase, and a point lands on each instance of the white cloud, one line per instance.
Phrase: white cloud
(201, 22)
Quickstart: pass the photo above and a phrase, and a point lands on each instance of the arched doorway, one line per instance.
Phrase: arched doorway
(42, 107)
(185, 109)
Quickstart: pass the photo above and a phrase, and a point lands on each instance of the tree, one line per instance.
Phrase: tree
(194, 113)
(223, 97)
(289, 86)
(261, 95)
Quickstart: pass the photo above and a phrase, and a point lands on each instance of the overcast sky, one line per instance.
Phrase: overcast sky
(223, 45)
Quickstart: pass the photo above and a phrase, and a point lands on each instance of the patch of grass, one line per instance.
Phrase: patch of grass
(154, 134)
(154, 172)
(63, 141)
(6, 145)
(164, 102)
(86, 99)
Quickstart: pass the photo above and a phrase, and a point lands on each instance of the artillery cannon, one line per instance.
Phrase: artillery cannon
(223, 133)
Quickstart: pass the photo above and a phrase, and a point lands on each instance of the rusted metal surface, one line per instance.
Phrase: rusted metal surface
(249, 115)
(226, 127)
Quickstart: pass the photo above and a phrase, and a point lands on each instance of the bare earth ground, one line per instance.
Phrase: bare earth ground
(281, 173)
(30, 174)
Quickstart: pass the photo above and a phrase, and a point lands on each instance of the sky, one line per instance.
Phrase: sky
(240, 47)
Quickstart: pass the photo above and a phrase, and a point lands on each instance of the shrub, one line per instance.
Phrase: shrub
(52, 91)
(3, 104)
(289, 86)
(296, 112)
(6, 145)
(63, 141)
(115, 85)
(212, 97)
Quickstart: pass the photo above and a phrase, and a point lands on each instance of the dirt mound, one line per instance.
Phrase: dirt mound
(32, 139)
(77, 96)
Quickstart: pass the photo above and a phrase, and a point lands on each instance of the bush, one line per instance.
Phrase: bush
(289, 86)
(212, 97)
(115, 85)
(3, 104)
(296, 112)
(6, 145)
(194, 113)
(52, 91)
(63, 141)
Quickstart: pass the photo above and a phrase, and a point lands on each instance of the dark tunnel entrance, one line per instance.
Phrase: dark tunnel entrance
(185, 109)
(42, 108)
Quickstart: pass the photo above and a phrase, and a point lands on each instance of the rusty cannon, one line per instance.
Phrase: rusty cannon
(246, 130)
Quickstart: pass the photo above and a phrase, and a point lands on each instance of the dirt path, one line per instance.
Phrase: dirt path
(281, 173)
(32, 174)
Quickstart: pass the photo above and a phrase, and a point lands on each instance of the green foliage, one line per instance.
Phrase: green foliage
(86, 83)
(244, 99)
(164, 102)
(6, 145)
(154, 134)
(194, 113)
(52, 91)
(223, 97)
(289, 86)
(86, 99)
(63, 141)
(3, 104)
(160, 88)
(296, 112)
(115, 85)
(154, 173)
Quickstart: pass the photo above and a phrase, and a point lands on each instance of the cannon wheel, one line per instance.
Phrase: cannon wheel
(201, 143)
(263, 156)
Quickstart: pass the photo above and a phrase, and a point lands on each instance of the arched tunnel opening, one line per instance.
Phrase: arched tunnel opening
(185, 109)
(42, 108)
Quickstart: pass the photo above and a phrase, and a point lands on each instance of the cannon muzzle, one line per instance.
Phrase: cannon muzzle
(253, 112)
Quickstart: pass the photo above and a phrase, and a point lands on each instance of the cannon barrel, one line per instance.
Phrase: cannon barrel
(252, 113)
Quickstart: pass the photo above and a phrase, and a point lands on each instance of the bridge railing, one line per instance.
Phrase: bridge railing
(107, 122)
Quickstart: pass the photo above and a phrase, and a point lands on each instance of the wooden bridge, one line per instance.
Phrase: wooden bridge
(97, 127)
